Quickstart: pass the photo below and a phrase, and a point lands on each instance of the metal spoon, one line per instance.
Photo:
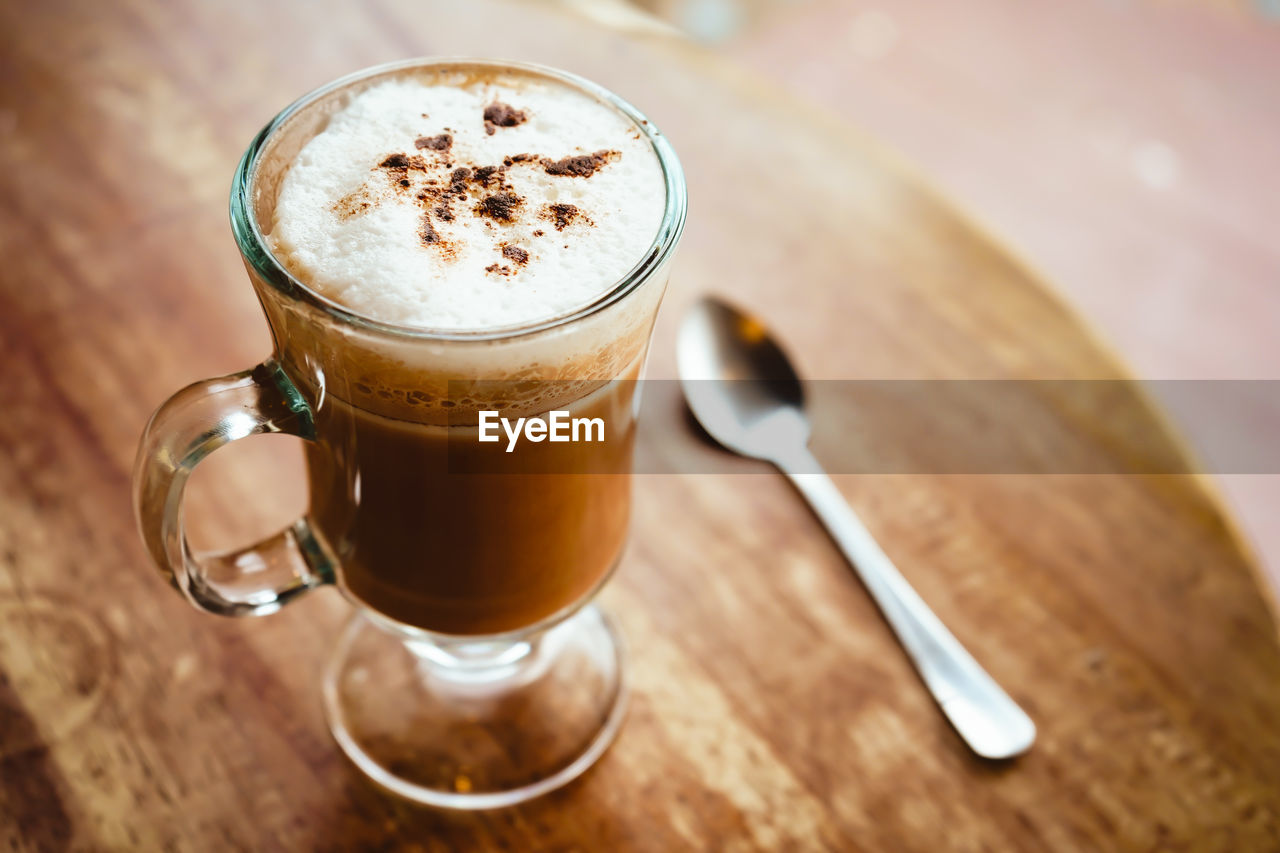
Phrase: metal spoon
(745, 393)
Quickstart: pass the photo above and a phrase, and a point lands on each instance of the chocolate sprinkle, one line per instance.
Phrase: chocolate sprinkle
(515, 253)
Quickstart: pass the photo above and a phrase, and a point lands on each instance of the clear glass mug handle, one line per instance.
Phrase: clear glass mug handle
(190, 425)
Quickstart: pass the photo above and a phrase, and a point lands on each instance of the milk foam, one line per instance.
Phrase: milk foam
(410, 239)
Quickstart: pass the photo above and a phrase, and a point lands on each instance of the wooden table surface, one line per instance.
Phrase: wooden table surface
(772, 708)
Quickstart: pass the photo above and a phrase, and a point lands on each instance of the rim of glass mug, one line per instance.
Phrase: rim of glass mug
(256, 250)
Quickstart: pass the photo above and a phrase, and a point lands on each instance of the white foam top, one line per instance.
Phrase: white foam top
(410, 239)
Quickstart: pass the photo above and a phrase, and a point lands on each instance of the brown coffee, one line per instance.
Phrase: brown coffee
(439, 541)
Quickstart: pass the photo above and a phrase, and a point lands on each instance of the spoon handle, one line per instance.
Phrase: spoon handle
(985, 716)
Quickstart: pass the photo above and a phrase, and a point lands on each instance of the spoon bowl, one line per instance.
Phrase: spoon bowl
(736, 377)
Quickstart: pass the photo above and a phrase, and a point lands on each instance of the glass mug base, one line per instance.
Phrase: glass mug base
(476, 725)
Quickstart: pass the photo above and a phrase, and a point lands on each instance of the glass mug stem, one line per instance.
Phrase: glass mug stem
(190, 425)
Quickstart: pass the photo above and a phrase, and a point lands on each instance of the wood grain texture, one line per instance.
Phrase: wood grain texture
(772, 709)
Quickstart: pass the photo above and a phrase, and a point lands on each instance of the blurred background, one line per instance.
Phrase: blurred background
(1126, 149)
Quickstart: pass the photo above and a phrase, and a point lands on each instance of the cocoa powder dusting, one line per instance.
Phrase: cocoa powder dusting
(427, 231)
(402, 163)
(581, 166)
(435, 143)
(560, 215)
(352, 204)
(498, 115)
(500, 206)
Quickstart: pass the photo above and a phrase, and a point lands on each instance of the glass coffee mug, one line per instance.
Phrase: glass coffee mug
(475, 673)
